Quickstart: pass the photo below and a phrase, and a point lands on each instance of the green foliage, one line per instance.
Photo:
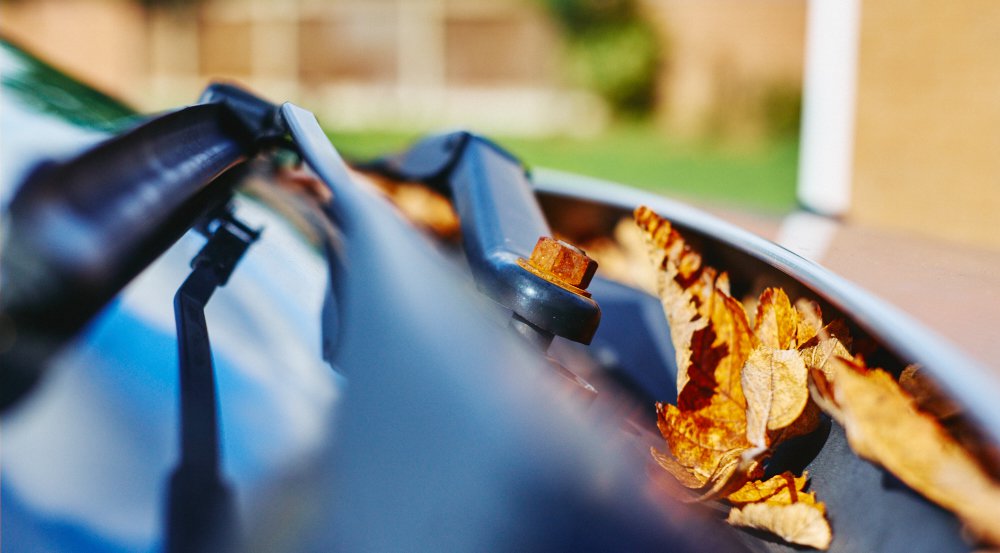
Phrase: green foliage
(30, 80)
(782, 109)
(611, 50)
(580, 16)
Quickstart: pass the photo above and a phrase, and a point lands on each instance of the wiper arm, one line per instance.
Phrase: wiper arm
(200, 513)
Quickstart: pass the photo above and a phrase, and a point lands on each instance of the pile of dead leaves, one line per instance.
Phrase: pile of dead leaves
(747, 383)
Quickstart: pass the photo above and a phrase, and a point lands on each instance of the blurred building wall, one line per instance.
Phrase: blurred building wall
(383, 63)
(927, 131)
(726, 60)
(370, 63)
(102, 42)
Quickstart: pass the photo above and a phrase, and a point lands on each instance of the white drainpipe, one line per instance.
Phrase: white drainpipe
(828, 108)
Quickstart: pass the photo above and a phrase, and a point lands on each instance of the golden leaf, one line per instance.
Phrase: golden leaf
(706, 431)
(767, 505)
(775, 386)
(829, 342)
(683, 474)
(810, 320)
(776, 322)
(731, 471)
(800, 523)
(718, 353)
(781, 489)
(930, 399)
(623, 257)
(708, 447)
(884, 425)
(678, 267)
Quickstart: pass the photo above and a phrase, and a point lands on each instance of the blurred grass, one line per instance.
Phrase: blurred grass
(761, 178)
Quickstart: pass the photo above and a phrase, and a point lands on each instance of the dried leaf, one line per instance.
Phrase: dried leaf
(810, 320)
(706, 431)
(775, 386)
(678, 267)
(830, 342)
(926, 393)
(731, 472)
(718, 353)
(776, 322)
(800, 523)
(775, 377)
(421, 205)
(884, 425)
(783, 489)
(684, 475)
(741, 391)
(932, 400)
(708, 447)
(625, 257)
(781, 506)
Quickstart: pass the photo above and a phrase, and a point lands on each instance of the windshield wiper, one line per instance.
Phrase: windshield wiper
(200, 512)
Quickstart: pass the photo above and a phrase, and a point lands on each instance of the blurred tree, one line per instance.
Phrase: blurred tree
(611, 50)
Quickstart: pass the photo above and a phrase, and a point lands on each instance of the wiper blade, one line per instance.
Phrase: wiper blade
(78, 231)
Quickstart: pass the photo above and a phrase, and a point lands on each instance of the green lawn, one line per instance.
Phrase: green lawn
(758, 179)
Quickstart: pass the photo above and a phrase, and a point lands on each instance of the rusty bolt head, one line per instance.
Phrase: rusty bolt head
(563, 261)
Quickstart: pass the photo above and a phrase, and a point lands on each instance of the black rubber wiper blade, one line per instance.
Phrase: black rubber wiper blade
(78, 231)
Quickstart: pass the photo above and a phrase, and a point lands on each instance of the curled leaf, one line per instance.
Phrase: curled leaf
(774, 384)
(829, 342)
(687, 288)
(708, 448)
(884, 425)
(784, 488)
(810, 320)
(776, 322)
(624, 257)
(801, 523)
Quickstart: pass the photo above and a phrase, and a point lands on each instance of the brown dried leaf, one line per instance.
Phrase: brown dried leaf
(775, 386)
(731, 472)
(797, 525)
(776, 322)
(884, 425)
(706, 431)
(422, 206)
(784, 488)
(684, 475)
(810, 320)
(678, 267)
(926, 393)
(830, 342)
(800, 523)
(623, 257)
(708, 447)
(932, 400)
(718, 353)
(740, 391)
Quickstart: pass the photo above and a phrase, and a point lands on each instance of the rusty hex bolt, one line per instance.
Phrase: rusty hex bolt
(565, 262)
